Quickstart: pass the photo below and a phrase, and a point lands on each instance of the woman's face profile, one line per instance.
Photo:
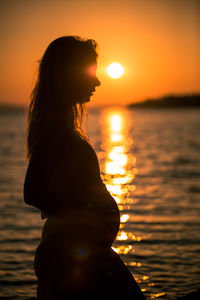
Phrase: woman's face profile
(88, 83)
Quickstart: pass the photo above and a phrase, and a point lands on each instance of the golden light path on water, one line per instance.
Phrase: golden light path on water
(119, 171)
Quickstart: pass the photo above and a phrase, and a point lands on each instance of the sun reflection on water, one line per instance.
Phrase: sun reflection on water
(123, 249)
(119, 171)
(119, 166)
(124, 218)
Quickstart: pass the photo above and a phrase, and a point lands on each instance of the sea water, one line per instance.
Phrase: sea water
(150, 162)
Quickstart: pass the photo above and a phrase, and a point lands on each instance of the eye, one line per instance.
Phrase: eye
(91, 71)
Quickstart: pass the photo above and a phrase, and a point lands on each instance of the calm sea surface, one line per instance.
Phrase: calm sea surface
(150, 162)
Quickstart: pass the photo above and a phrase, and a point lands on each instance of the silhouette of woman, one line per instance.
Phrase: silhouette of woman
(74, 257)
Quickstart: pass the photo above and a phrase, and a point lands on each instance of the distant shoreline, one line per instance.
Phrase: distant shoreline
(170, 101)
(11, 108)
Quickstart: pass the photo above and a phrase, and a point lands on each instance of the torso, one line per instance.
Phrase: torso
(72, 195)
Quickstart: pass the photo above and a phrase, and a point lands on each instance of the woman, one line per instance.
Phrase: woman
(74, 257)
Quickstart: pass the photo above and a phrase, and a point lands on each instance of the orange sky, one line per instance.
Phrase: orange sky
(157, 42)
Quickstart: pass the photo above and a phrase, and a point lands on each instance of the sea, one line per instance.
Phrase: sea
(150, 163)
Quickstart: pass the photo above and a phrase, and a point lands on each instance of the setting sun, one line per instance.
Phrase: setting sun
(115, 70)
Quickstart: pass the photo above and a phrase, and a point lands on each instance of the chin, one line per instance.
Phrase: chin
(85, 99)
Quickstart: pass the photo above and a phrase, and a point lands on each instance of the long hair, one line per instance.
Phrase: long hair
(54, 98)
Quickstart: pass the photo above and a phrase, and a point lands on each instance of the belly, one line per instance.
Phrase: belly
(97, 228)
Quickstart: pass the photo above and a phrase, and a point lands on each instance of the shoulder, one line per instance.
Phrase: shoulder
(82, 145)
